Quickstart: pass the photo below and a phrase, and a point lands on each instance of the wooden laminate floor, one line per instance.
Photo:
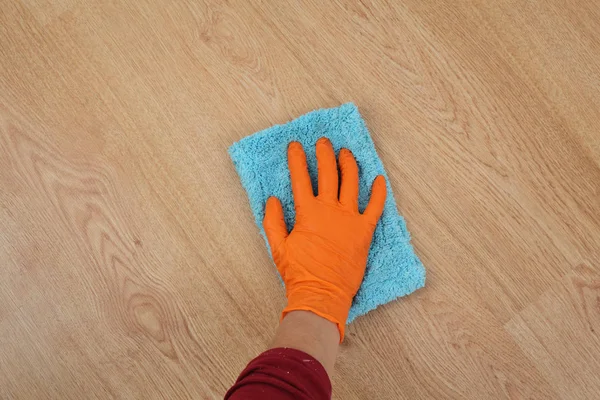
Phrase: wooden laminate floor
(130, 266)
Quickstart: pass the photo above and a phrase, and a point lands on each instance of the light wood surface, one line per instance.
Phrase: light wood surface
(130, 266)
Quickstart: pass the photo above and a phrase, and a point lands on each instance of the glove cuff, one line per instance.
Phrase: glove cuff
(331, 306)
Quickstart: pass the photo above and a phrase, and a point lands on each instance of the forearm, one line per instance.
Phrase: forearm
(282, 374)
(298, 364)
(314, 335)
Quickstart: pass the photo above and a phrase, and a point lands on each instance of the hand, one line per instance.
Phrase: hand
(323, 260)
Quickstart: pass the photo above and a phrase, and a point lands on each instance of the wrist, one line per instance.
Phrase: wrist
(310, 333)
(334, 306)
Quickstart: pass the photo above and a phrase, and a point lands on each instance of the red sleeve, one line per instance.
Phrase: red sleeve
(279, 374)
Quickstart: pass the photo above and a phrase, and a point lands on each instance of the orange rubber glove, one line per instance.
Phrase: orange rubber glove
(323, 260)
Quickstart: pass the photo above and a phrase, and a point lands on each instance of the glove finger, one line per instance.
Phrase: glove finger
(274, 224)
(377, 201)
(349, 185)
(301, 186)
(328, 173)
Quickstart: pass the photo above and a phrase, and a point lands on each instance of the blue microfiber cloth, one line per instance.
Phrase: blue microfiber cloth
(393, 269)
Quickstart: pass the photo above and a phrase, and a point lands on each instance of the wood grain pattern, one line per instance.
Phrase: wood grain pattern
(131, 266)
(559, 333)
